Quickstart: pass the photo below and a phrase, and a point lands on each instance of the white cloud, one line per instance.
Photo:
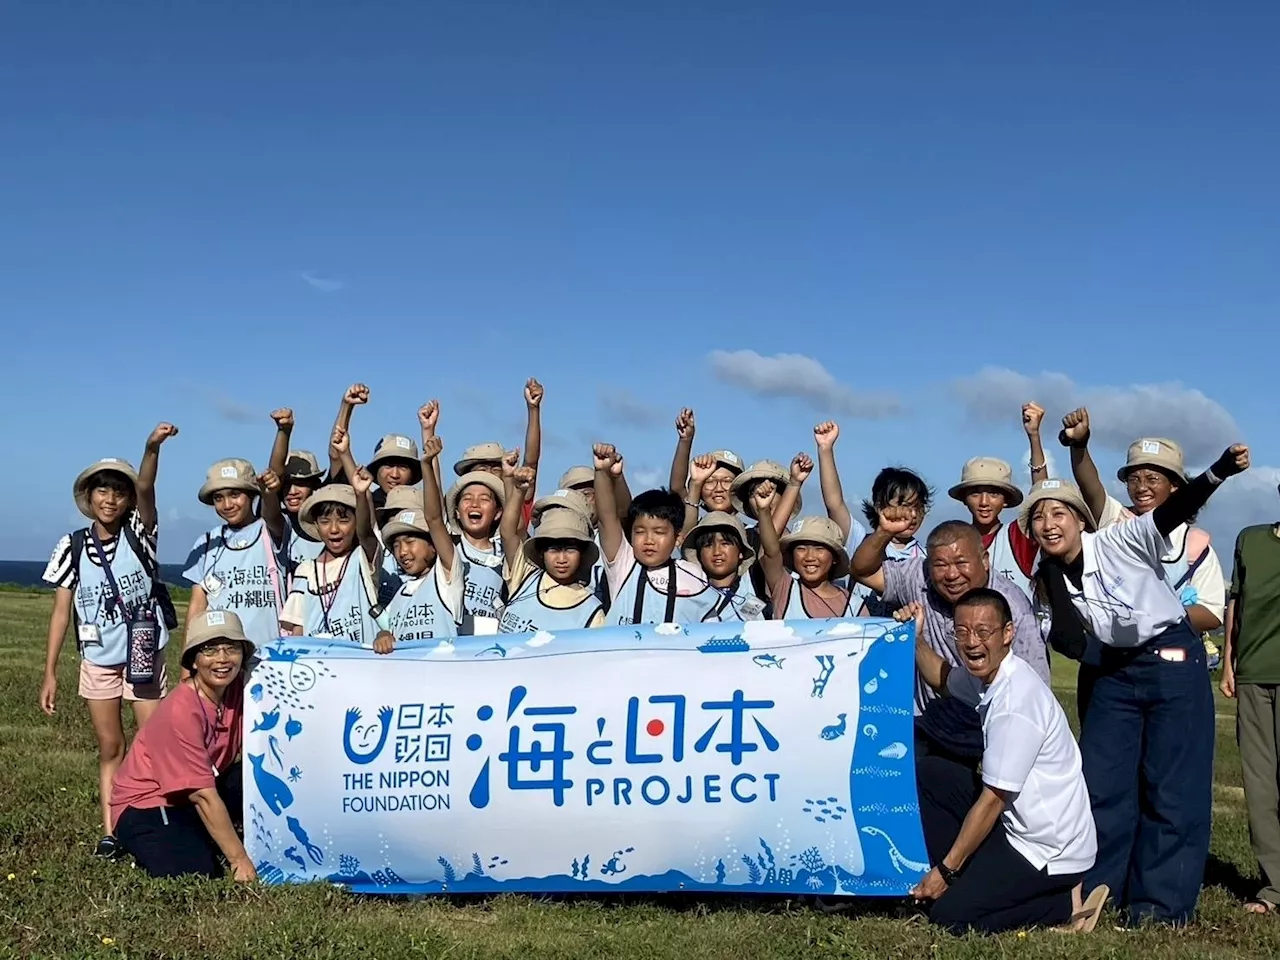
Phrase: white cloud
(321, 284)
(1242, 501)
(1117, 415)
(802, 378)
(619, 404)
(647, 478)
(540, 639)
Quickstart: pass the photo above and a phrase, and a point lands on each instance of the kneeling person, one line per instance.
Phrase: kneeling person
(1011, 850)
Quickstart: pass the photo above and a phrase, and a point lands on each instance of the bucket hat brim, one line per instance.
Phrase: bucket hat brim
(340, 493)
(1013, 496)
(480, 477)
(81, 487)
(561, 531)
(726, 522)
(839, 569)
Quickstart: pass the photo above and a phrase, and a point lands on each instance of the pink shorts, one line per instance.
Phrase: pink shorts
(108, 683)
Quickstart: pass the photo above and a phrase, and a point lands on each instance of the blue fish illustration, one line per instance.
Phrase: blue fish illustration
(496, 648)
(835, 730)
(256, 692)
(292, 854)
(268, 721)
(292, 728)
(313, 851)
(768, 660)
(275, 792)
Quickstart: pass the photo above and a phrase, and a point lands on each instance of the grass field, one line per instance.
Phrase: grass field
(56, 900)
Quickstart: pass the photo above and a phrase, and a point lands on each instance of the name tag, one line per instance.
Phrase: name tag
(90, 635)
(1175, 655)
(751, 609)
(212, 585)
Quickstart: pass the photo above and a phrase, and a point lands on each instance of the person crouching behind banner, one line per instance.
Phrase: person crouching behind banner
(177, 798)
(1012, 849)
(339, 594)
(548, 576)
(814, 551)
(1147, 736)
(429, 602)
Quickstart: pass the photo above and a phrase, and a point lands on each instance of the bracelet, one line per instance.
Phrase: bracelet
(1213, 477)
(1038, 466)
(948, 875)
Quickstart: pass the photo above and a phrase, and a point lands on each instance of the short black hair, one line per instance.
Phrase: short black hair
(660, 503)
(112, 480)
(951, 531)
(896, 485)
(986, 597)
(703, 537)
(329, 508)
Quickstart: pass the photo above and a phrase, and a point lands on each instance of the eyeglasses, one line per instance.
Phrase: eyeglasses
(1145, 478)
(212, 650)
(982, 633)
(718, 483)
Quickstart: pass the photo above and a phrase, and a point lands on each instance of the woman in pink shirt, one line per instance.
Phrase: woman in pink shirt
(177, 798)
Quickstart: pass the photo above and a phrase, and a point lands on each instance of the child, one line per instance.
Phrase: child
(774, 482)
(337, 595)
(488, 457)
(475, 503)
(104, 574)
(237, 565)
(647, 584)
(573, 499)
(815, 553)
(429, 603)
(302, 476)
(893, 487)
(719, 545)
(548, 576)
(397, 501)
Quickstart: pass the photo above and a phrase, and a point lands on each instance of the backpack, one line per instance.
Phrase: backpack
(1197, 549)
(159, 589)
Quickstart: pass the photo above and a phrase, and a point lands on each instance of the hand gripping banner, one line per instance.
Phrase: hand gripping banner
(763, 757)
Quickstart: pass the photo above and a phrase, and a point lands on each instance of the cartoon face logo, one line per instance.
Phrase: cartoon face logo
(362, 743)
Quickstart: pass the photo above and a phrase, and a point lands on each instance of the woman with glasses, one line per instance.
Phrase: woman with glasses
(177, 798)
(1147, 737)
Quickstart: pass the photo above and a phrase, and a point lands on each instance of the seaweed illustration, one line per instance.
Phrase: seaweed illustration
(477, 868)
(720, 871)
(771, 873)
(753, 869)
(450, 875)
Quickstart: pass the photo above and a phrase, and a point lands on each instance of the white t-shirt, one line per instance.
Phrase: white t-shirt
(1029, 752)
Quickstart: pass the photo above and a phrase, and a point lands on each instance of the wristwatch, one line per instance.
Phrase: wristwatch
(948, 875)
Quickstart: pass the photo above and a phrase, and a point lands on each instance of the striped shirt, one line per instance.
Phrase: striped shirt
(61, 572)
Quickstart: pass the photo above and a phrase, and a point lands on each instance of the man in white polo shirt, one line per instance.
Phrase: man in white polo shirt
(1009, 851)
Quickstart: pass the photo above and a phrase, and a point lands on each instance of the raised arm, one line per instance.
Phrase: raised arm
(1185, 502)
(932, 668)
(279, 461)
(784, 502)
(533, 394)
(272, 515)
(340, 453)
(825, 435)
(608, 466)
(685, 429)
(362, 483)
(770, 558)
(432, 499)
(867, 563)
(1032, 415)
(357, 394)
(147, 469)
(516, 481)
(699, 473)
(429, 420)
(1075, 435)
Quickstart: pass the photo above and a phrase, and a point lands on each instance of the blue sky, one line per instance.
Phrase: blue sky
(948, 209)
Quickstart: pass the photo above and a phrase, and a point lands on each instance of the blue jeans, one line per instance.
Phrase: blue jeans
(1147, 746)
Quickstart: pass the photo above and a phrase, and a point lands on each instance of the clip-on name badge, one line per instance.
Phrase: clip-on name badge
(89, 634)
(1173, 655)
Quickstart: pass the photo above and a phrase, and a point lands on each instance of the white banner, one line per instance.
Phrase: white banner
(765, 756)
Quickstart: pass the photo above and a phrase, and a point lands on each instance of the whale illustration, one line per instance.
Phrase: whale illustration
(275, 792)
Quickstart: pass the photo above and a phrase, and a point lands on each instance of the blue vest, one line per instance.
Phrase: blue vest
(796, 609)
(417, 612)
(94, 603)
(483, 578)
(298, 548)
(348, 616)
(741, 604)
(239, 563)
(653, 604)
(526, 613)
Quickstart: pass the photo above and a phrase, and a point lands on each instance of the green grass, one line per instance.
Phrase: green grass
(61, 902)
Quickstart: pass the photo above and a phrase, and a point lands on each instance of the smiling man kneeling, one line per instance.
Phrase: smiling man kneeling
(1010, 849)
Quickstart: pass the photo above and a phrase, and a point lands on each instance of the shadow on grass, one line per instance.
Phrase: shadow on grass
(1227, 875)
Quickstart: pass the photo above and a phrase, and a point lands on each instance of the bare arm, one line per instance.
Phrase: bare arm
(516, 482)
(978, 823)
(147, 469)
(356, 395)
(826, 434)
(533, 393)
(622, 493)
(685, 429)
(432, 501)
(1075, 434)
(198, 603)
(272, 514)
(770, 559)
(1228, 684)
(279, 461)
(59, 620)
(606, 458)
(362, 483)
(867, 563)
(784, 504)
(1032, 414)
(1202, 619)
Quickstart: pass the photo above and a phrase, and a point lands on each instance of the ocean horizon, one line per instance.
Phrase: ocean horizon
(29, 573)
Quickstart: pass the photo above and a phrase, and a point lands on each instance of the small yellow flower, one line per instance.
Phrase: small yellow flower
(1022, 934)
(107, 942)
(13, 876)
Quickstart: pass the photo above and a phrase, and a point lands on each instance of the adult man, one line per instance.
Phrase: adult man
(955, 563)
(1251, 673)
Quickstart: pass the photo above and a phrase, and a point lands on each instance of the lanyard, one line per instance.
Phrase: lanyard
(804, 608)
(324, 588)
(638, 611)
(106, 569)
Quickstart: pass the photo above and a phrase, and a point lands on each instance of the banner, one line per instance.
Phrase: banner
(764, 757)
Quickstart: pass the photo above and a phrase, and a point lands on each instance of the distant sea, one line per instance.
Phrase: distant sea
(27, 573)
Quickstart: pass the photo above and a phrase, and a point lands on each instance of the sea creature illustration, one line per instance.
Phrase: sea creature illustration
(768, 660)
(291, 853)
(575, 868)
(639, 635)
(835, 730)
(826, 667)
(614, 865)
(256, 692)
(267, 722)
(313, 851)
(284, 654)
(894, 751)
(871, 686)
(295, 774)
(292, 728)
(274, 745)
(870, 732)
(496, 648)
(895, 855)
(275, 792)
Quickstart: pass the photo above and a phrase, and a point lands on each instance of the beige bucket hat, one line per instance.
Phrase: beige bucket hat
(213, 625)
(1155, 452)
(231, 474)
(987, 472)
(412, 522)
(342, 493)
(824, 532)
(729, 460)
(84, 481)
(762, 470)
(492, 452)
(562, 523)
(302, 465)
(577, 477)
(396, 446)
(481, 477)
(1063, 490)
(718, 520)
(401, 498)
(563, 498)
